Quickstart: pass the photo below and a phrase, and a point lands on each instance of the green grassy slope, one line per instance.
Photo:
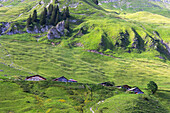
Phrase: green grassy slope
(108, 31)
(132, 6)
(50, 97)
(130, 104)
(13, 99)
(84, 66)
(50, 61)
(117, 36)
(148, 17)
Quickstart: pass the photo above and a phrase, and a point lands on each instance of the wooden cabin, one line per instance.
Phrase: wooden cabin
(35, 78)
(61, 79)
(136, 90)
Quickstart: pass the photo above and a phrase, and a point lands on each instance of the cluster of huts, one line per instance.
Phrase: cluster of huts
(39, 78)
(135, 90)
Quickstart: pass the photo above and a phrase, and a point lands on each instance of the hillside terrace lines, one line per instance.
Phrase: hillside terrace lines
(59, 61)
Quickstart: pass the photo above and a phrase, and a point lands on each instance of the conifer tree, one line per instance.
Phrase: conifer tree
(57, 9)
(50, 9)
(45, 11)
(34, 17)
(29, 21)
(67, 13)
(43, 18)
(56, 1)
(64, 15)
(53, 17)
(57, 18)
(67, 24)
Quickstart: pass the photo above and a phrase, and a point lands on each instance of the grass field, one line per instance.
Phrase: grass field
(50, 97)
(50, 61)
(23, 55)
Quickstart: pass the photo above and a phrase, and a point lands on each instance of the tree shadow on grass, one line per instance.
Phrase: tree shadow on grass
(164, 94)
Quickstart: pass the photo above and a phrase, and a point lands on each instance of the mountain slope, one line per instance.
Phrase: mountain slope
(155, 6)
(119, 45)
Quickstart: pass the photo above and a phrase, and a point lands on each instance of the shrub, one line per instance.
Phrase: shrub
(152, 86)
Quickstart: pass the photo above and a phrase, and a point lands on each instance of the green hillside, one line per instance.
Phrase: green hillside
(125, 42)
(130, 104)
(154, 6)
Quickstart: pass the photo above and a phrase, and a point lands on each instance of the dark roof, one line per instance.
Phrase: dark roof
(136, 90)
(106, 84)
(35, 76)
(59, 78)
(126, 86)
(73, 80)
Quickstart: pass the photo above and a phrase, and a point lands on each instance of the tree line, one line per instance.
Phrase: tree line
(49, 16)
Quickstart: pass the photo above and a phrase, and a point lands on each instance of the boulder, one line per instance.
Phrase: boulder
(56, 31)
(53, 33)
(60, 27)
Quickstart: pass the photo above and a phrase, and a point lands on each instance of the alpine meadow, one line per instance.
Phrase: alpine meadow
(84, 56)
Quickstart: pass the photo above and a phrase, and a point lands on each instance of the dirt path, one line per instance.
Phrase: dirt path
(20, 15)
(96, 108)
(91, 110)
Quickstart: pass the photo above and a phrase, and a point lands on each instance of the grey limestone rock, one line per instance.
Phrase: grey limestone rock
(56, 31)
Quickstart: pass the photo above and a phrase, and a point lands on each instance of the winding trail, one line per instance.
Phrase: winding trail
(91, 110)
(96, 108)
(20, 15)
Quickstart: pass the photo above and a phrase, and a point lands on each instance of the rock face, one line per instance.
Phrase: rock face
(56, 31)
(36, 29)
(53, 33)
(12, 28)
(60, 27)
(4, 26)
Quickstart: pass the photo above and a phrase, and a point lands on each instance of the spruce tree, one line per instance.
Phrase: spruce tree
(57, 18)
(67, 24)
(67, 13)
(64, 15)
(29, 21)
(34, 17)
(56, 1)
(45, 11)
(53, 17)
(50, 9)
(57, 9)
(43, 18)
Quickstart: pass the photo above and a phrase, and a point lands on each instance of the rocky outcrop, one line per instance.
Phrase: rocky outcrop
(4, 26)
(60, 27)
(53, 33)
(56, 31)
(15, 29)
(37, 29)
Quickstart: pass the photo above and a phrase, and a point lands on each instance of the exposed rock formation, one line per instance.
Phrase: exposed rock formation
(36, 29)
(60, 27)
(53, 33)
(4, 26)
(56, 31)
